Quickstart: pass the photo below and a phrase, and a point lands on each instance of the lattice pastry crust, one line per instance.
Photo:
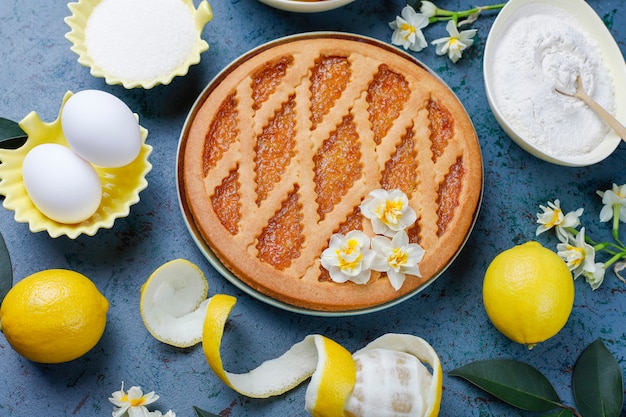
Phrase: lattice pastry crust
(284, 145)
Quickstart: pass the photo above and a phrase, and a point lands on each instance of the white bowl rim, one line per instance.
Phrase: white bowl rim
(303, 6)
(611, 54)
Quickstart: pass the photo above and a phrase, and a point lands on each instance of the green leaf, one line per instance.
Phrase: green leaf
(11, 134)
(202, 413)
(597, 382)
(559, 413)
(514, 382)
(6, 270)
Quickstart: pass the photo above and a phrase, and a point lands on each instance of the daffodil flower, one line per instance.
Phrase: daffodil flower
(397, 257)
(407, 30)
(456, 43)
(389, 211)
(578, 254)
(553, 217)
(348, 257)
(614, 201)
(132, 403)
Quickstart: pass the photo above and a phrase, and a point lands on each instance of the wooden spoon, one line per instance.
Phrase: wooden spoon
(600, 111)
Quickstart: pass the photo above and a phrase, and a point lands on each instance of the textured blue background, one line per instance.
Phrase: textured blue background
(37, 68)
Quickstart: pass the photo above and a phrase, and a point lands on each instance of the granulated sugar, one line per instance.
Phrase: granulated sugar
(139, 40)
(542, 49)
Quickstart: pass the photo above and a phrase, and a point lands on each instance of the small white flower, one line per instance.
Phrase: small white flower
(578, 254)
(407, 30)
(595, 277)
(397, 257)
(157, 413)
(132, 403)
(389, 211)
(553, 217)
(428, 9)
(348, 258)
(615, 197)
(456, 43)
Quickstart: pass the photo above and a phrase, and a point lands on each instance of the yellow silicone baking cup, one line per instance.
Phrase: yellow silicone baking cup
(81, 11)
(120, 186)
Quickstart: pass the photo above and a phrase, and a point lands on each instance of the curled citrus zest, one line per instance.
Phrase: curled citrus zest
(332, 369)
(311, 357)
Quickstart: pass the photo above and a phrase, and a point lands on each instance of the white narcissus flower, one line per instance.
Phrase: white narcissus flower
(553, 217)
(428, 9)
(595, 277)
(407, 30)
(348, 258)
(456, 43)
(132, 403)
(389, 211)
(157, 413)
(579, 255)
(613, 200)
(397, 257)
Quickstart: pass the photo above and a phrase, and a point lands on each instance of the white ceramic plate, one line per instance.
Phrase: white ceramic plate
(586, 20)
(302, 6)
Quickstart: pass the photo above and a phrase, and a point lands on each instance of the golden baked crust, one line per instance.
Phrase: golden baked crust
(283, 146)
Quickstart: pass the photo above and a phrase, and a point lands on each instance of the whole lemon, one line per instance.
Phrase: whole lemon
(53, 316)
(528, 293)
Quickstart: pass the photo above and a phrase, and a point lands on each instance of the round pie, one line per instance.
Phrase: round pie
(282, 147)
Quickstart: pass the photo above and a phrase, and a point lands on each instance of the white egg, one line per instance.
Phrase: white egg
(62, 185)
(101, 128)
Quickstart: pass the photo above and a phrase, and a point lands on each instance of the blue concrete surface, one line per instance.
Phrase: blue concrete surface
(37, 68)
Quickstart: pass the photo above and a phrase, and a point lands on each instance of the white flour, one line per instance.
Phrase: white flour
(543, 49)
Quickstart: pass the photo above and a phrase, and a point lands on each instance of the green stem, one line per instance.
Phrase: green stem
(616, 210)
(445, 15)
(615, 258)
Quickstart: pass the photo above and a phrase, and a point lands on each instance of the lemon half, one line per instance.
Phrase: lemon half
(173, 303)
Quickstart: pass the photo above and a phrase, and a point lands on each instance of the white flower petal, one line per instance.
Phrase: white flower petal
(396, 279)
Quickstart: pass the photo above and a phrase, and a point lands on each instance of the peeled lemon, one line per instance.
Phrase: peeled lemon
(53, 316)
(388, 377)
(173, 303)
(393, 379)
(528, 293)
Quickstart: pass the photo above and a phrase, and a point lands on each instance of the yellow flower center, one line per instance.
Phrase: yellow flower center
(397, 258)
(556, 218)
(579, 259)
(408, 29)
(134, 402)
(344, 255)
(391, 211)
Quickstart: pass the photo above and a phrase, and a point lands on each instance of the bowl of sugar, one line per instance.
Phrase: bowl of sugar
(536, 46)
(138, 43)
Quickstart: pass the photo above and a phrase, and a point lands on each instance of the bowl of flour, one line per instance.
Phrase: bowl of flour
(306, 6)
(538, 45)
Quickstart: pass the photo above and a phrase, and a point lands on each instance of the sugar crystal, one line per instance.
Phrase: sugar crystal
(139, 40)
